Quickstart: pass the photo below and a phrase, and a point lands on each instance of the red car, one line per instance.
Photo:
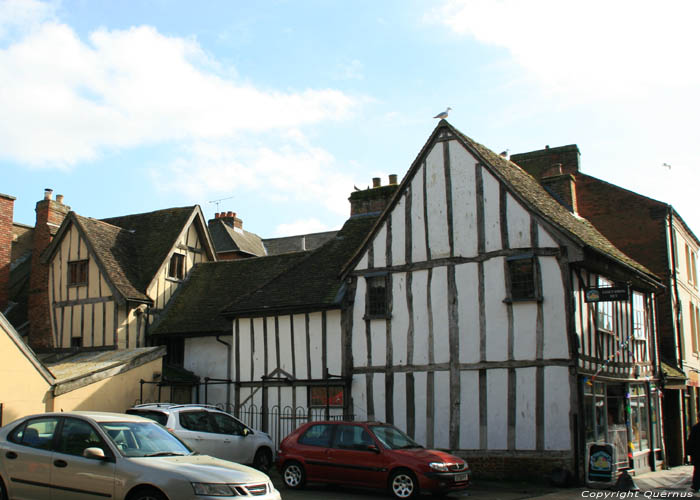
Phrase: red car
(368, 454)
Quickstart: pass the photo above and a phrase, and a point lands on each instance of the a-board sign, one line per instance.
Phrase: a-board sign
(607, 294)
(600, 465)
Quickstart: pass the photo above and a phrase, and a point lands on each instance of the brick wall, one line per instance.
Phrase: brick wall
(49, 216)
(534, 467)
(6, 214)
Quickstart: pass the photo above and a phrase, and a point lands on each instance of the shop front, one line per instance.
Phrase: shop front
(624, 414)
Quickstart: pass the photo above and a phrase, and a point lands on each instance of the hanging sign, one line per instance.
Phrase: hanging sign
(600, 464)
(607, 294)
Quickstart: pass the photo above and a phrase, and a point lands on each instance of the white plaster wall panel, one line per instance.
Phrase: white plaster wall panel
(379, 390)
(359, 339)
(420, 317)
(526, 411)
(492, 212)
(98, 318)
(299, 322)
(497, 409)
(524, 330)
(467, 280)
(400, 401)
(398, 233)
(442, 410)
(358, 389)
(462, 166)
(363, 263)
(469, 429)
(421, 403)
(554, 310)
(418, 252)
(496, 310)
(285, 339)
(441, 327)
(378, 336)
(88, 330)
(545, 240)
(83, 250)
(273, 397)
(302, 395)
(258, 349)
(437, 206)
(379, 246)
(271, 345)
(557, 402)
(518, 224)
(333, 341)
(207, 358)
(285, 400)
(399, 319)
(244, 347)
(316, 344)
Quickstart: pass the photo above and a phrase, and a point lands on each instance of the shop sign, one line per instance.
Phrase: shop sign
(607, 294)
(601, 463)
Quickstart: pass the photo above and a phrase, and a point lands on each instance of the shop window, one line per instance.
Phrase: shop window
(77, 273)
(377, 306)
(640, 316)
(522, 278)
(639, 417)
(177, 266)
(327, 396)
(595, 419)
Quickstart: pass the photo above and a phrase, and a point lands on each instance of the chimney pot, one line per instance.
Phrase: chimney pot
(229, 214)
(233, 214)
(393, 179)
(59, 198)
(47, 193)
(376, 182)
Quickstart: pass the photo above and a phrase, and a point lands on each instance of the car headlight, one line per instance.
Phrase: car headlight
(439, 466)
(213, 489)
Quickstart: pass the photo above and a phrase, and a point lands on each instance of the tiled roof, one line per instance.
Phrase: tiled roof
(314, 282)
(196, 307)
(297, 243)
(226, 238)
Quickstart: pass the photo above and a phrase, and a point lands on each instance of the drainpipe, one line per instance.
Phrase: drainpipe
(228, 370)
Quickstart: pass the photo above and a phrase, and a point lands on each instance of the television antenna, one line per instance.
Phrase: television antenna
(219, 201)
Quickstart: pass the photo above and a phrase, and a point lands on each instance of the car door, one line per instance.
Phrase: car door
(27, 459)
(314, 445)
(233, 445)
(356, 458)
(196, 428)
(73, 476)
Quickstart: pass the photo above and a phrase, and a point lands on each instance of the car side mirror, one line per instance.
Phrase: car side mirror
(97, 453)
(372, 447)
(246, 431)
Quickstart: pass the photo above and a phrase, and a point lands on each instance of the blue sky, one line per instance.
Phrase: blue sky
(280, 107)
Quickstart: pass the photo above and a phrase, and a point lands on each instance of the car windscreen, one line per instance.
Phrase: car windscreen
(143, 439)
(393, 438)
(156, 416)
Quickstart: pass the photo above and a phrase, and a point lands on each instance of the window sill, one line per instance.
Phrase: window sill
(76, 285)
(376, 316)
(509, 300)
(604, 330)
(173, 280)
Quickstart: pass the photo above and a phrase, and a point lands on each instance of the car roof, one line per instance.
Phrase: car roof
(97, 416)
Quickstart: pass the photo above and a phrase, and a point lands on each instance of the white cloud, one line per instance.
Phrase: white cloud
(22, 15)
(594, 48)
(303, 226)
(127, 88)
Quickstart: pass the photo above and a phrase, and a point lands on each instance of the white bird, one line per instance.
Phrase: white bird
(443, 114)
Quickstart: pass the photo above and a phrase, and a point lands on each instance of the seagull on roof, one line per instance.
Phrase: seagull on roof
(443, 114)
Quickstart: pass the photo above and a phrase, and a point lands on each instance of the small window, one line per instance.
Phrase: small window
(640, 316)
(76, 342)
(376, 297)
(226, 424)
(196, 421)
(317, 435)
(604, 310)
(522, 273)
(77, 272)
(323, 396)
(177, 266)
(37, 433)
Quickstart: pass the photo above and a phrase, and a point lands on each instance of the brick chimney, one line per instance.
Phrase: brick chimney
(49, 216)
(373, 200)
(555, 169)
(230, 219)
(7, 206)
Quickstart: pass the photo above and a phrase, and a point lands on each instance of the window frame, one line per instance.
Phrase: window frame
(373, 299)
(78, 271)
(604, 309)
(176, 266)
(322, 390)
(639, 316)
(534, 286)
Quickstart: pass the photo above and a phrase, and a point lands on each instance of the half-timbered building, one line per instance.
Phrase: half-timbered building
(470, 327)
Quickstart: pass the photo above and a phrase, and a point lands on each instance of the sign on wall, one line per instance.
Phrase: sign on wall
(607, 293)
(600, 463)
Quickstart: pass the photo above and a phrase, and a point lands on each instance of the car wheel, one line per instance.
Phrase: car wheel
(403, 484)
(147, 494)
(263, 459)
(293, 475)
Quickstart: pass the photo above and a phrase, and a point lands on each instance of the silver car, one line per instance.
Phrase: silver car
(211, 431)
(91, 455)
